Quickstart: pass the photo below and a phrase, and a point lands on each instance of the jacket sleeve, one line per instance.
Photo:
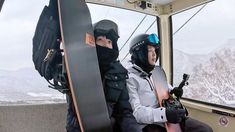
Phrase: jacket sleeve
(143, 114)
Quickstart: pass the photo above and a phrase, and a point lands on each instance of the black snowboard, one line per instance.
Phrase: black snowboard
(1, 3)
(82, 66)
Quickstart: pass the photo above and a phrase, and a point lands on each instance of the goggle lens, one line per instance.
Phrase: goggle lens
(153, 39)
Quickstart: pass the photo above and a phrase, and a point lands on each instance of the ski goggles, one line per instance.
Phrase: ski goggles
(106, 25)
(106, 28)
(153, 40)
(111, 34)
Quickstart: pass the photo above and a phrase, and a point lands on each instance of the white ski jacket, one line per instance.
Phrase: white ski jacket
(143, 99)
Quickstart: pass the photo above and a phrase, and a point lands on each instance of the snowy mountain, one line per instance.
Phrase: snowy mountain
(212, 76)
(184, 63)
(25, 86)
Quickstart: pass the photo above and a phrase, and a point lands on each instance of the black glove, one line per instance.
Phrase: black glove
(175, 115)
(177, 91)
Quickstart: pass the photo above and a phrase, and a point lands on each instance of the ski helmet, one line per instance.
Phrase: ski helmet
(138, 48)
(143, 40)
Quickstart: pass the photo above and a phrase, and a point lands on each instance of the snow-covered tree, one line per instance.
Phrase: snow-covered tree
(214, 81)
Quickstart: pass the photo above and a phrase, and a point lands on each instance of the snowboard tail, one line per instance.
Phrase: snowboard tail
(82, 66)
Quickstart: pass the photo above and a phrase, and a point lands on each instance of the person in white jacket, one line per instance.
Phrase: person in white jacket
(144, 50)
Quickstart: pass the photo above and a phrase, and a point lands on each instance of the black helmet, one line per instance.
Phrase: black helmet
(139, 52)
(143, 39)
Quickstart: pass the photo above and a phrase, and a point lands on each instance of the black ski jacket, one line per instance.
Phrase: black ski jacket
(116, 95)
(114, 83)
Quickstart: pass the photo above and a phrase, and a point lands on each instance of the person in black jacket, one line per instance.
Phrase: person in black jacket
(113, 76)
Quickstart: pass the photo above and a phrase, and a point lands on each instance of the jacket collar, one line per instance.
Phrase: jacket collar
(137, 69)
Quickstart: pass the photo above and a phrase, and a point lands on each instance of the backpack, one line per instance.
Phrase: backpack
(47, 55)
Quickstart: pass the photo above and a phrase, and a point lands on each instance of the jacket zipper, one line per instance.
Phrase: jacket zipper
(149, 84)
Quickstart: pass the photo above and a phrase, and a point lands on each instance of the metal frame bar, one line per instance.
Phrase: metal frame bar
(165, 33)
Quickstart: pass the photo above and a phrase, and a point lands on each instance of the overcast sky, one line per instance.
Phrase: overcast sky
(212, 27)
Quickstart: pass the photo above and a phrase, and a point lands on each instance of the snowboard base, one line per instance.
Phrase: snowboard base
(161, 86)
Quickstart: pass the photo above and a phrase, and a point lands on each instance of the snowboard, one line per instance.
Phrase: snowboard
(82, 66)
(1, 3)
(161, 86)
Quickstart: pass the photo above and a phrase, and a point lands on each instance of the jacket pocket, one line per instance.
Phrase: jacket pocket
(113, 90)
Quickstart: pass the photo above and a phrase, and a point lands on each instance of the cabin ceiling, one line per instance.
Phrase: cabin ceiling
(161, 2)
(157, 8)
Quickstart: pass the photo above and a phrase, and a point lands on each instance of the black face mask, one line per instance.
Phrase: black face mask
(145, 66)
(105, 57)
(141, 59)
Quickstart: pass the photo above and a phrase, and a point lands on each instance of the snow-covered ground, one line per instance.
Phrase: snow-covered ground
(26, 86)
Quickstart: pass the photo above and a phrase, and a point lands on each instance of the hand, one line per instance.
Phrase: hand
(175, 115)
(178, 92)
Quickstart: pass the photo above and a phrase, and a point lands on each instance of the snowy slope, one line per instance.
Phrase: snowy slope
(25, 84)
(212, 75)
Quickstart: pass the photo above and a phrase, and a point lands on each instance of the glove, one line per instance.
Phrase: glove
(175, 115)
(178, 92)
